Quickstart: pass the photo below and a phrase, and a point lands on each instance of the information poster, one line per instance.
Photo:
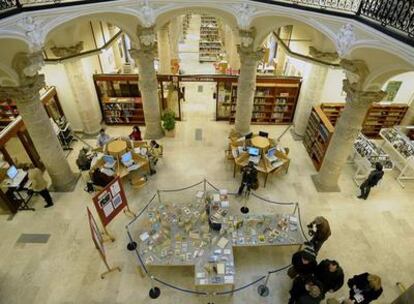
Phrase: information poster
(110, 201)
(96, 234)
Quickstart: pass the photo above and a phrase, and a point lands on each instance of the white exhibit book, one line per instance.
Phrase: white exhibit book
(221, 268)
(228, 279)
(144, 236)
(216, 197)
(200, 194)
(223, 191)
(225, 204)
(222, 242)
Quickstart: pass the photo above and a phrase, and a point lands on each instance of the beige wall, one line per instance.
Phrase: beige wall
(406, 92)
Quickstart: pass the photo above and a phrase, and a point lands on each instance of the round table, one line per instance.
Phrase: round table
(260, 142)
(116, 147)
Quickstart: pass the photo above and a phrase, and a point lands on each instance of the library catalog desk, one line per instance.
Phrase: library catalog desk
(265, 166)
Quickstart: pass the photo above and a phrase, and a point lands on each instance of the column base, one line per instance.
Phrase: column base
(67, 187)
(154, 134)
(295, 136)
(324, 188)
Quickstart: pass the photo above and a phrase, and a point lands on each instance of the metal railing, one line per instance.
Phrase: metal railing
(392, 17)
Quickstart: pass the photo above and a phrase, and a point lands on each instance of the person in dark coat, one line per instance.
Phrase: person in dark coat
(330, 274)
(249, 177)
(320, 231)
(303, 263)
(374, 177)
(364, 288)
(304, 291)
(101, 179)
(136, 134)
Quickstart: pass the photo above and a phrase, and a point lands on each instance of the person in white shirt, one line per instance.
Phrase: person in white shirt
(103, 138)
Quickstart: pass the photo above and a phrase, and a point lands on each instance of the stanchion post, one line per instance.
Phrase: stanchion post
(159, 196)
(108, 235)
(154, 292)
(128, 212)
(263, 290)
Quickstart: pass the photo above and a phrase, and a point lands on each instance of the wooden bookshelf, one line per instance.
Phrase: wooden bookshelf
(210, 45)
(379, 116)
(274, 103)
(49, 98)
(317, 136)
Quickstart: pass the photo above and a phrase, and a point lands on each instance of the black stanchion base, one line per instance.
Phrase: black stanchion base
(244, 210)
(132, 246)
(154, 293)
(263, 290)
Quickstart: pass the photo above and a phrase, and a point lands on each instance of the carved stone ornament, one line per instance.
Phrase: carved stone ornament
(356, 71)
(244, 13)
(147, 38)
(34, 32)
(361, 98)
(345, 39)
(27, 66)
(24, 93)
(148, 14)
(324, 56)
(63, 52)
(247, 38)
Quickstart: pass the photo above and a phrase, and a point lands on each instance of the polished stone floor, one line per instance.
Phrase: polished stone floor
(376, 235)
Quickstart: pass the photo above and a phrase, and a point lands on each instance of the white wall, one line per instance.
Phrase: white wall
(332, 91)
(55, 75)
(406, 92)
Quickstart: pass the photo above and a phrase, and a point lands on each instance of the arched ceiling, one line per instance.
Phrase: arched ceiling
(14, 46)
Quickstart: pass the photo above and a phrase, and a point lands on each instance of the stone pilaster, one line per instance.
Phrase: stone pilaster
(310, 95)
(45, 140)
(148, 84)
(164, 55)
(285, 33)
(85, 99)
(346, 131)
(246, 86)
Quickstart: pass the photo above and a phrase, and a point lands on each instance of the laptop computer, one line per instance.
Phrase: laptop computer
(109, 161)
(271, 154)
(127, 160)
(253, 151)
(16, 176)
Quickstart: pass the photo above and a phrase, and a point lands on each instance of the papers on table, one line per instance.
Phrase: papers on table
(222, 242)
(144, 236)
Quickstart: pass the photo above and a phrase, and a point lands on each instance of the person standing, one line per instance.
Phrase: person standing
(303, 290)
(330, 274)
(39, 184)
(364, 288)
(136, 134)
(374, 177)
(103, 138)
(320, 231)
(249, 178)
(303, 263)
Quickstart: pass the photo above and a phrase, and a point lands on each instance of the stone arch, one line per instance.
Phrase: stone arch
(267, 22)
(125, 18)
(167, 13)
(14, 45)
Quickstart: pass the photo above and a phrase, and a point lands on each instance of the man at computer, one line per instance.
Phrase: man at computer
(249, 178)
(103, 138)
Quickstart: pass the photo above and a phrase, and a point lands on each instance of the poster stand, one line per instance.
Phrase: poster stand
(128, 212)
(103, 274)
(107, 235)
(99, 243)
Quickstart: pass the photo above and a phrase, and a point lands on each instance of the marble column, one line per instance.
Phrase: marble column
(346, 131)
(148, 84)
(45, 140)
(310, 95)
(113, 30)
(246, 85)
(85, 99)
(164, 50)
(174, 35)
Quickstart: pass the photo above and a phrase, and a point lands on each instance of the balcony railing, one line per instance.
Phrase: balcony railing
(392, 17)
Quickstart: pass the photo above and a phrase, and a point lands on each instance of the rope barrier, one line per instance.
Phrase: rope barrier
(280, 269)
(211, 185)
(141, 212)
(179, 288)
(240, 288)
(181, 189)
(271, 202)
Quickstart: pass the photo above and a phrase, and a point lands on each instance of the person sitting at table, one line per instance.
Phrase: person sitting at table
(103, 138)
(38, 184)
(84, 160)
(249, 178)
(136, 134)
(101, 179)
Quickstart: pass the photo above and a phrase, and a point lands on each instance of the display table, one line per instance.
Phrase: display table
(401, 149)
(183, 236)
(366, 154)
(117, 147)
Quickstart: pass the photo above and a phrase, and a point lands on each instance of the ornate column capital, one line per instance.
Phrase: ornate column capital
(24, 93)
(359, 98)
(34, 30)
(246, 47)
(345, 39)
(147, 39)
(27, 66)
(148, 14)
(356, 71)
(244, 13)
(67, 51)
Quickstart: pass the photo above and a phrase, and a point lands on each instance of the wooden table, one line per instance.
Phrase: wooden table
(260, 142)
(116, 147)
